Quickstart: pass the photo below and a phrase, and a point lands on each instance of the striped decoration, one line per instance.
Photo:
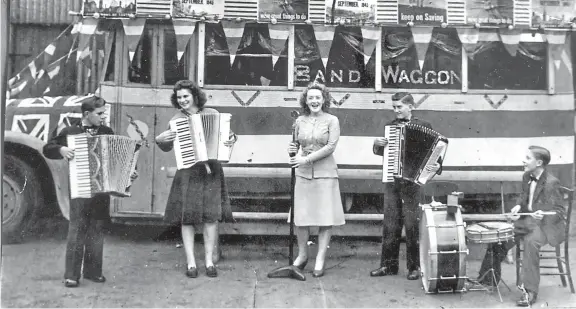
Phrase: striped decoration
(244, 9)
(560, 55)
(317, 11)
(522, 13)
(387, 11)
(233, 31)
(278, 36)
(469, 39)
(151, 8)
(510, 39)
(87, 30)
(184, 29)
(456, 12)
(422, 36)
(324, 38)
(133, 29)
(370, 36)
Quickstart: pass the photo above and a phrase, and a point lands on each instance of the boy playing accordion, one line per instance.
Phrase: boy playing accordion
(85, 241)
(401, 201)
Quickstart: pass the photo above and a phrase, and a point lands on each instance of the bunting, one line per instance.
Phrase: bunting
(370, 36)
(469, 38)
(556, 41)
(86, 32)
(133, 29)
(278, 36)
(510, 39)
(184, 29)
(422, 36)
(233, 31)
(324, 38)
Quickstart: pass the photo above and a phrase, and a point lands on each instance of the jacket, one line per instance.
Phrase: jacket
(318, 138)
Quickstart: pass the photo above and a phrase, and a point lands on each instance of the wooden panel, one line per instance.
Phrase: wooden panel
(51, 12)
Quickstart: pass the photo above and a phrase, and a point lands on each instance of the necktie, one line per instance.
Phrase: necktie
(533, 179)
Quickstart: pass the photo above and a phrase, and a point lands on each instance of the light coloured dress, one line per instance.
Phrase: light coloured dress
(317, 200)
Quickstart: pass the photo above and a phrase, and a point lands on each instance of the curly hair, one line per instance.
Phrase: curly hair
(325, 95)
(197, 93)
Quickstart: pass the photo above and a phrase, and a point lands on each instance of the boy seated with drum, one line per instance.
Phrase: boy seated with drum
(540, 193)
(401, 202)
(85, 241)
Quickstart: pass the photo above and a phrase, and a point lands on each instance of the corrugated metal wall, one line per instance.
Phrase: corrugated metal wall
(43, 11)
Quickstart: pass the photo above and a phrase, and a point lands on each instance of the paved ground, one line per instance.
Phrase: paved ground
(143, 272)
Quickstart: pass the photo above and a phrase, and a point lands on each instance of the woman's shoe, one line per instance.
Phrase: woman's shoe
(211, 271)
(192, 272)
(301, 266)
(318, 273)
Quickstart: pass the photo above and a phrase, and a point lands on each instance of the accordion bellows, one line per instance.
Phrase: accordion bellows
(200, 138)
(411, 150)
(102, 164)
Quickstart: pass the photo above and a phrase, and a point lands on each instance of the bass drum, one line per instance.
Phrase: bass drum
(443, 249)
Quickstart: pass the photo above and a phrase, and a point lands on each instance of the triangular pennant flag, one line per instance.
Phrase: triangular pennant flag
(555, 37)
(422, 36)
(557, 64)
(133, 29)
(324, 38)
(469, 38)
(566, 59)
(184, 29)
(278, 36)
(233, 31)
(510, 39)
(86, 31)
(370, 37)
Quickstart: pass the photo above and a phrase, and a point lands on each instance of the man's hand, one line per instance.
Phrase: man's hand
(380, 141)
(134, 176)
(432, 168)
(515, 210)
(538, 215)
(67, 153)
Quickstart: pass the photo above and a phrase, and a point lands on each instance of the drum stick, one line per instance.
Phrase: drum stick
(530, 213)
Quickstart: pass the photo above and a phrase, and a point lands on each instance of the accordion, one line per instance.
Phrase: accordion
(102, 164)
(411, 149)
(200, 138)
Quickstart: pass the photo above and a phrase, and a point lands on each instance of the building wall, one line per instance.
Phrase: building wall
(47, 12)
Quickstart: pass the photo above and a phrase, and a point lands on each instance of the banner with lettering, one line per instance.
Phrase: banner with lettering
(490, 12)
(283, 10)
(422, 12)
(351, 11)
(553, 13)
(109, 8)
(198, 8)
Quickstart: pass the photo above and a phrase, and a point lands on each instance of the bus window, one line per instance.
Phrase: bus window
(346, 67)
(308, 66)
(441, 66)
(493, 67)
(174, 69)
(141, 66)
(217, 58)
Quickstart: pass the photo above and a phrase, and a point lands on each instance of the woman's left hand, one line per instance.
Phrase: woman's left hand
(296, 161)
(231, 141)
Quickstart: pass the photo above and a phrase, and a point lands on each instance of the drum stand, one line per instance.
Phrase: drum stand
(477, 286)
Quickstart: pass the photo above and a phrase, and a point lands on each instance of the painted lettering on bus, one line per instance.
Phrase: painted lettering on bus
(393, 75)
(303, 74)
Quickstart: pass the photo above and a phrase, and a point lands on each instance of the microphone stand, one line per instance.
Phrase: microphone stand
(290, 271)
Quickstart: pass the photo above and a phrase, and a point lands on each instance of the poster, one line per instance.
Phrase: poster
(109, 8)
(422, 12)
(553, 13)
(198, 8)
(490, 12)
(283, 10)
(351, 11)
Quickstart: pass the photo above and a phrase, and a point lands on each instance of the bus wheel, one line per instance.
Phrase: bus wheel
(20, 196)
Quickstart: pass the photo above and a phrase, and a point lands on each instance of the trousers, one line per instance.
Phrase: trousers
(530, 271)
(85, 241)
(401, 208)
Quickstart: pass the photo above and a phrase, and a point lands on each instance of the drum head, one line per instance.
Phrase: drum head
(425, 259)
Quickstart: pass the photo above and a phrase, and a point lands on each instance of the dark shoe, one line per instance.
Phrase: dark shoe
(69, 283)
(211, 271)
(383, 271)
(301, 266)
(192, 272)
(318, 273)
(413, 275)
(527, 299)
(97, 279)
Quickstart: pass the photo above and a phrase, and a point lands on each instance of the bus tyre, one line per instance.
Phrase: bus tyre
(20, 196)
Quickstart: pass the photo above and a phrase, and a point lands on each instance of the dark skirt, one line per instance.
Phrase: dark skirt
(197, 197)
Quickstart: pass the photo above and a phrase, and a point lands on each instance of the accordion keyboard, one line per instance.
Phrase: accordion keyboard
(391, 155)
(184, 144)
(79, 166)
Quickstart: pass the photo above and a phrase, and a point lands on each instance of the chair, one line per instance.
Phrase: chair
(563, 261)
